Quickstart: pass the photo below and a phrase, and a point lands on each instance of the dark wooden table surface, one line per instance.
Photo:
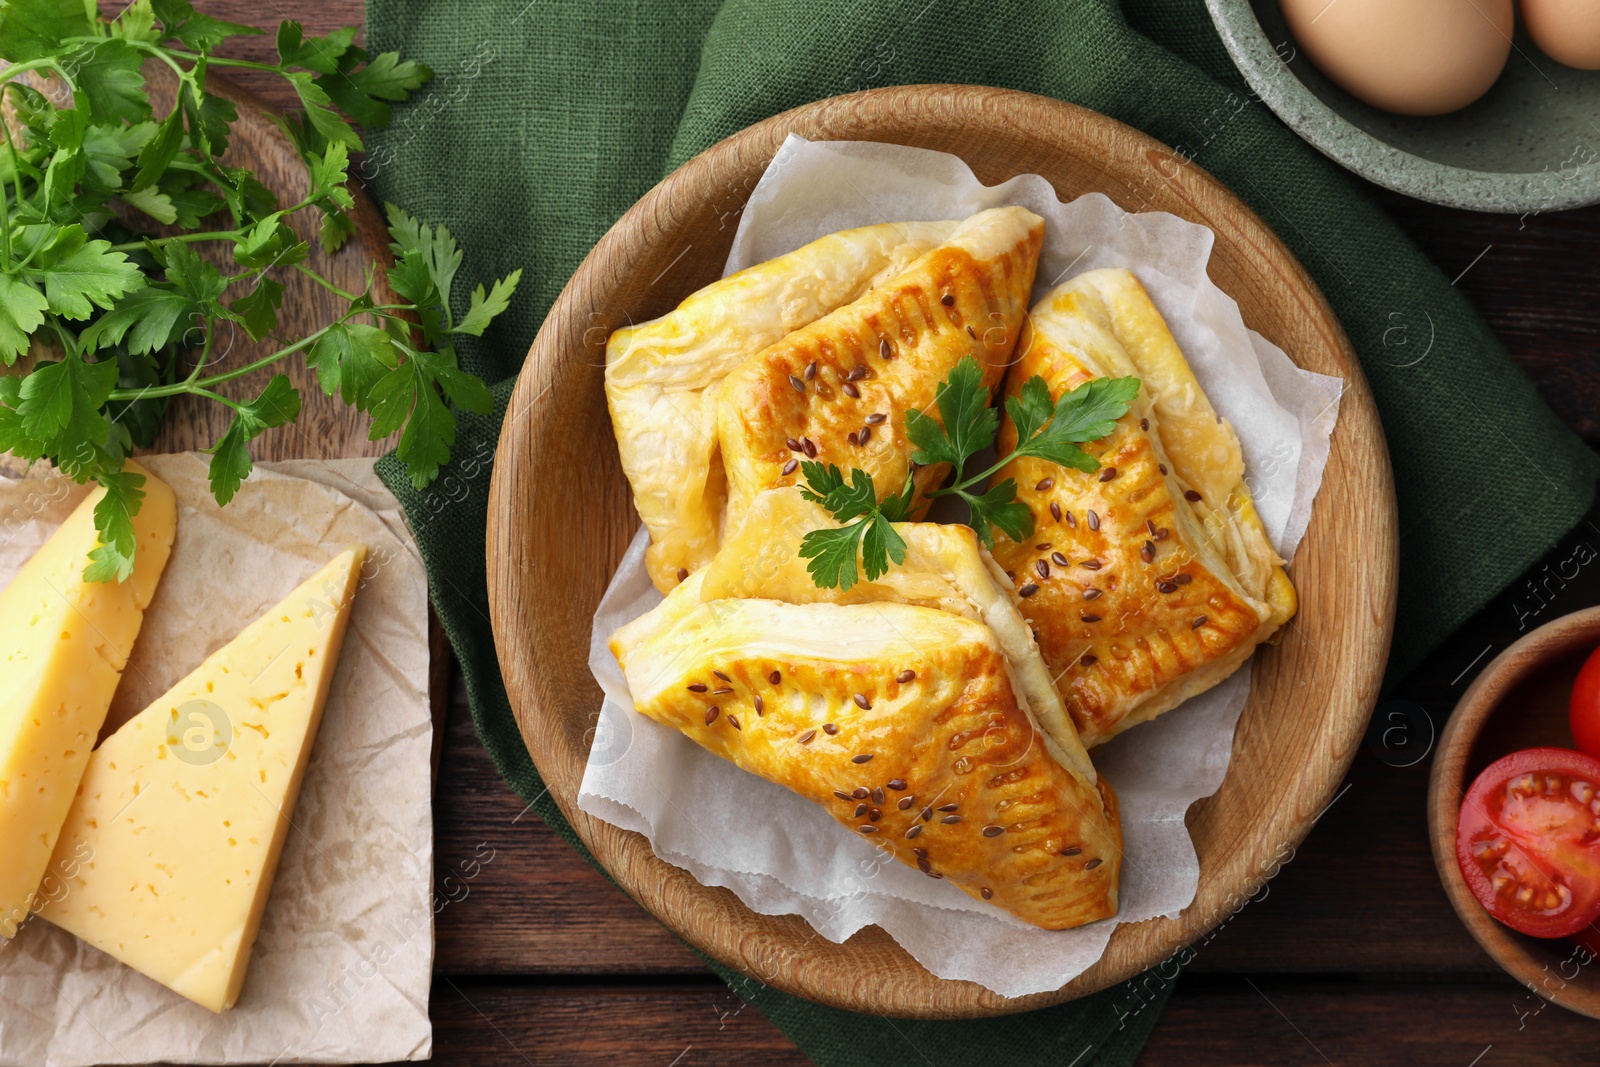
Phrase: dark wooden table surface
(1351, 955)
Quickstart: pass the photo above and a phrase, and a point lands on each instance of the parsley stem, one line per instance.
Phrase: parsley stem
(16, 176)
(267, 361)
(965, 483)
(186, 238)
(325, 283)
(15, 69)
(155, 48)
(5, 226)
(222, 61)
(218, 397)
(201, 387)
(151, 48)
(205, 357)
(69, 340)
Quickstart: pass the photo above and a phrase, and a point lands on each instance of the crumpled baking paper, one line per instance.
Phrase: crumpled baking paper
(694, 808)
(342, 968)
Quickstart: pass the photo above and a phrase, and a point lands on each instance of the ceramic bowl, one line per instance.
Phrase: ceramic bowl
(1531, 144)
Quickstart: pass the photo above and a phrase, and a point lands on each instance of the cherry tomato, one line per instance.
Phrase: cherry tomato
(1586, 706)
(1528, 840)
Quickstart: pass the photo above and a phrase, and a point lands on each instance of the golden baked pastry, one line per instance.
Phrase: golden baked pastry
(910, 708)
(1149, 580)
(945, 568)
(662, 375)
(838, 389)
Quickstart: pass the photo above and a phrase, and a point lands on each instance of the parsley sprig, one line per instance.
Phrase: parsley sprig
(1047, 429)
(832, 552)
(113, 317)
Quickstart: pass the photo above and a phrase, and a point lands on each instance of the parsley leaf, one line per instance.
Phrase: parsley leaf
(113, 517)
(361, 85)
(64, 397)
(109, 83)
(1031, 408)
(409, 396)
(428, 261)
(146, 319)
(159, 151)
(1000, 507)
(1086, 413)
(197, 279)
(209, 118)
(22, 309)
(81, 275)
(832, 552)
(969, 423)
(349, 359)
(826, 485)
(319, 54)
(34, 29)
(880, 545)
(257, 310)
(198, 32)
(485, 308)
(832, 555)
(153, 202)
(318, 112)
(136, 23)
(278, 404)
(109, 151)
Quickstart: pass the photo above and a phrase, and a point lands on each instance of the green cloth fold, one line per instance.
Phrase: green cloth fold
(547, 121)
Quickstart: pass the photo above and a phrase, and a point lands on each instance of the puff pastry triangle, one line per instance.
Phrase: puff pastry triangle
(1152, 579)
(662, 376)
(838, 389)
(898, 707)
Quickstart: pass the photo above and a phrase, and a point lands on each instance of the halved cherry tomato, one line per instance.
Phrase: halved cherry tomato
(1528, 840)
(1585, 716)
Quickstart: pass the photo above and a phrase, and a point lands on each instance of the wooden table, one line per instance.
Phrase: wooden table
(1351, 955)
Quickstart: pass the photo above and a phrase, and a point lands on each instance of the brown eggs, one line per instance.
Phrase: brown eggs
(1568, 31)
(1414, 57)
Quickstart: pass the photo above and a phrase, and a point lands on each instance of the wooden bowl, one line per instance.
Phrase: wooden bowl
(560, 517)
(1519, 701)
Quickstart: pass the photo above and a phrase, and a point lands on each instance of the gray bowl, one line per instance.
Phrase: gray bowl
(1531, 144)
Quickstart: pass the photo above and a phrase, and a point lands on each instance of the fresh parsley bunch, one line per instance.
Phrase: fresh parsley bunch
(111, 316)
(1050, 430)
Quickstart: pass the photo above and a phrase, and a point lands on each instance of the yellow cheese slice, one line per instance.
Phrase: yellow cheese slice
(63, 644)
(183, 812)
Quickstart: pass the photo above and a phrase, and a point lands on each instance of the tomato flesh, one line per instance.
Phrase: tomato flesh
(1528, 840)
(1585, 709)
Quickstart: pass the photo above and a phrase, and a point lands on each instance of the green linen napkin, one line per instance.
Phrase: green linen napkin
(547, 121)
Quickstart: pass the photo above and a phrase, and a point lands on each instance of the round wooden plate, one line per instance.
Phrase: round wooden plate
(560, 518)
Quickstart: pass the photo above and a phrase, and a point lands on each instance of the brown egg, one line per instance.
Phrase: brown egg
(1415, 57)
(1567, 30)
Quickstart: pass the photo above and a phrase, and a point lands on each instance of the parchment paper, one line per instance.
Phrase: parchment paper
(694, 807)
(341, 971)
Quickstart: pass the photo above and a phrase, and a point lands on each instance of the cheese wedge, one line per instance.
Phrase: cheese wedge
(183, 812)
(63, 644)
